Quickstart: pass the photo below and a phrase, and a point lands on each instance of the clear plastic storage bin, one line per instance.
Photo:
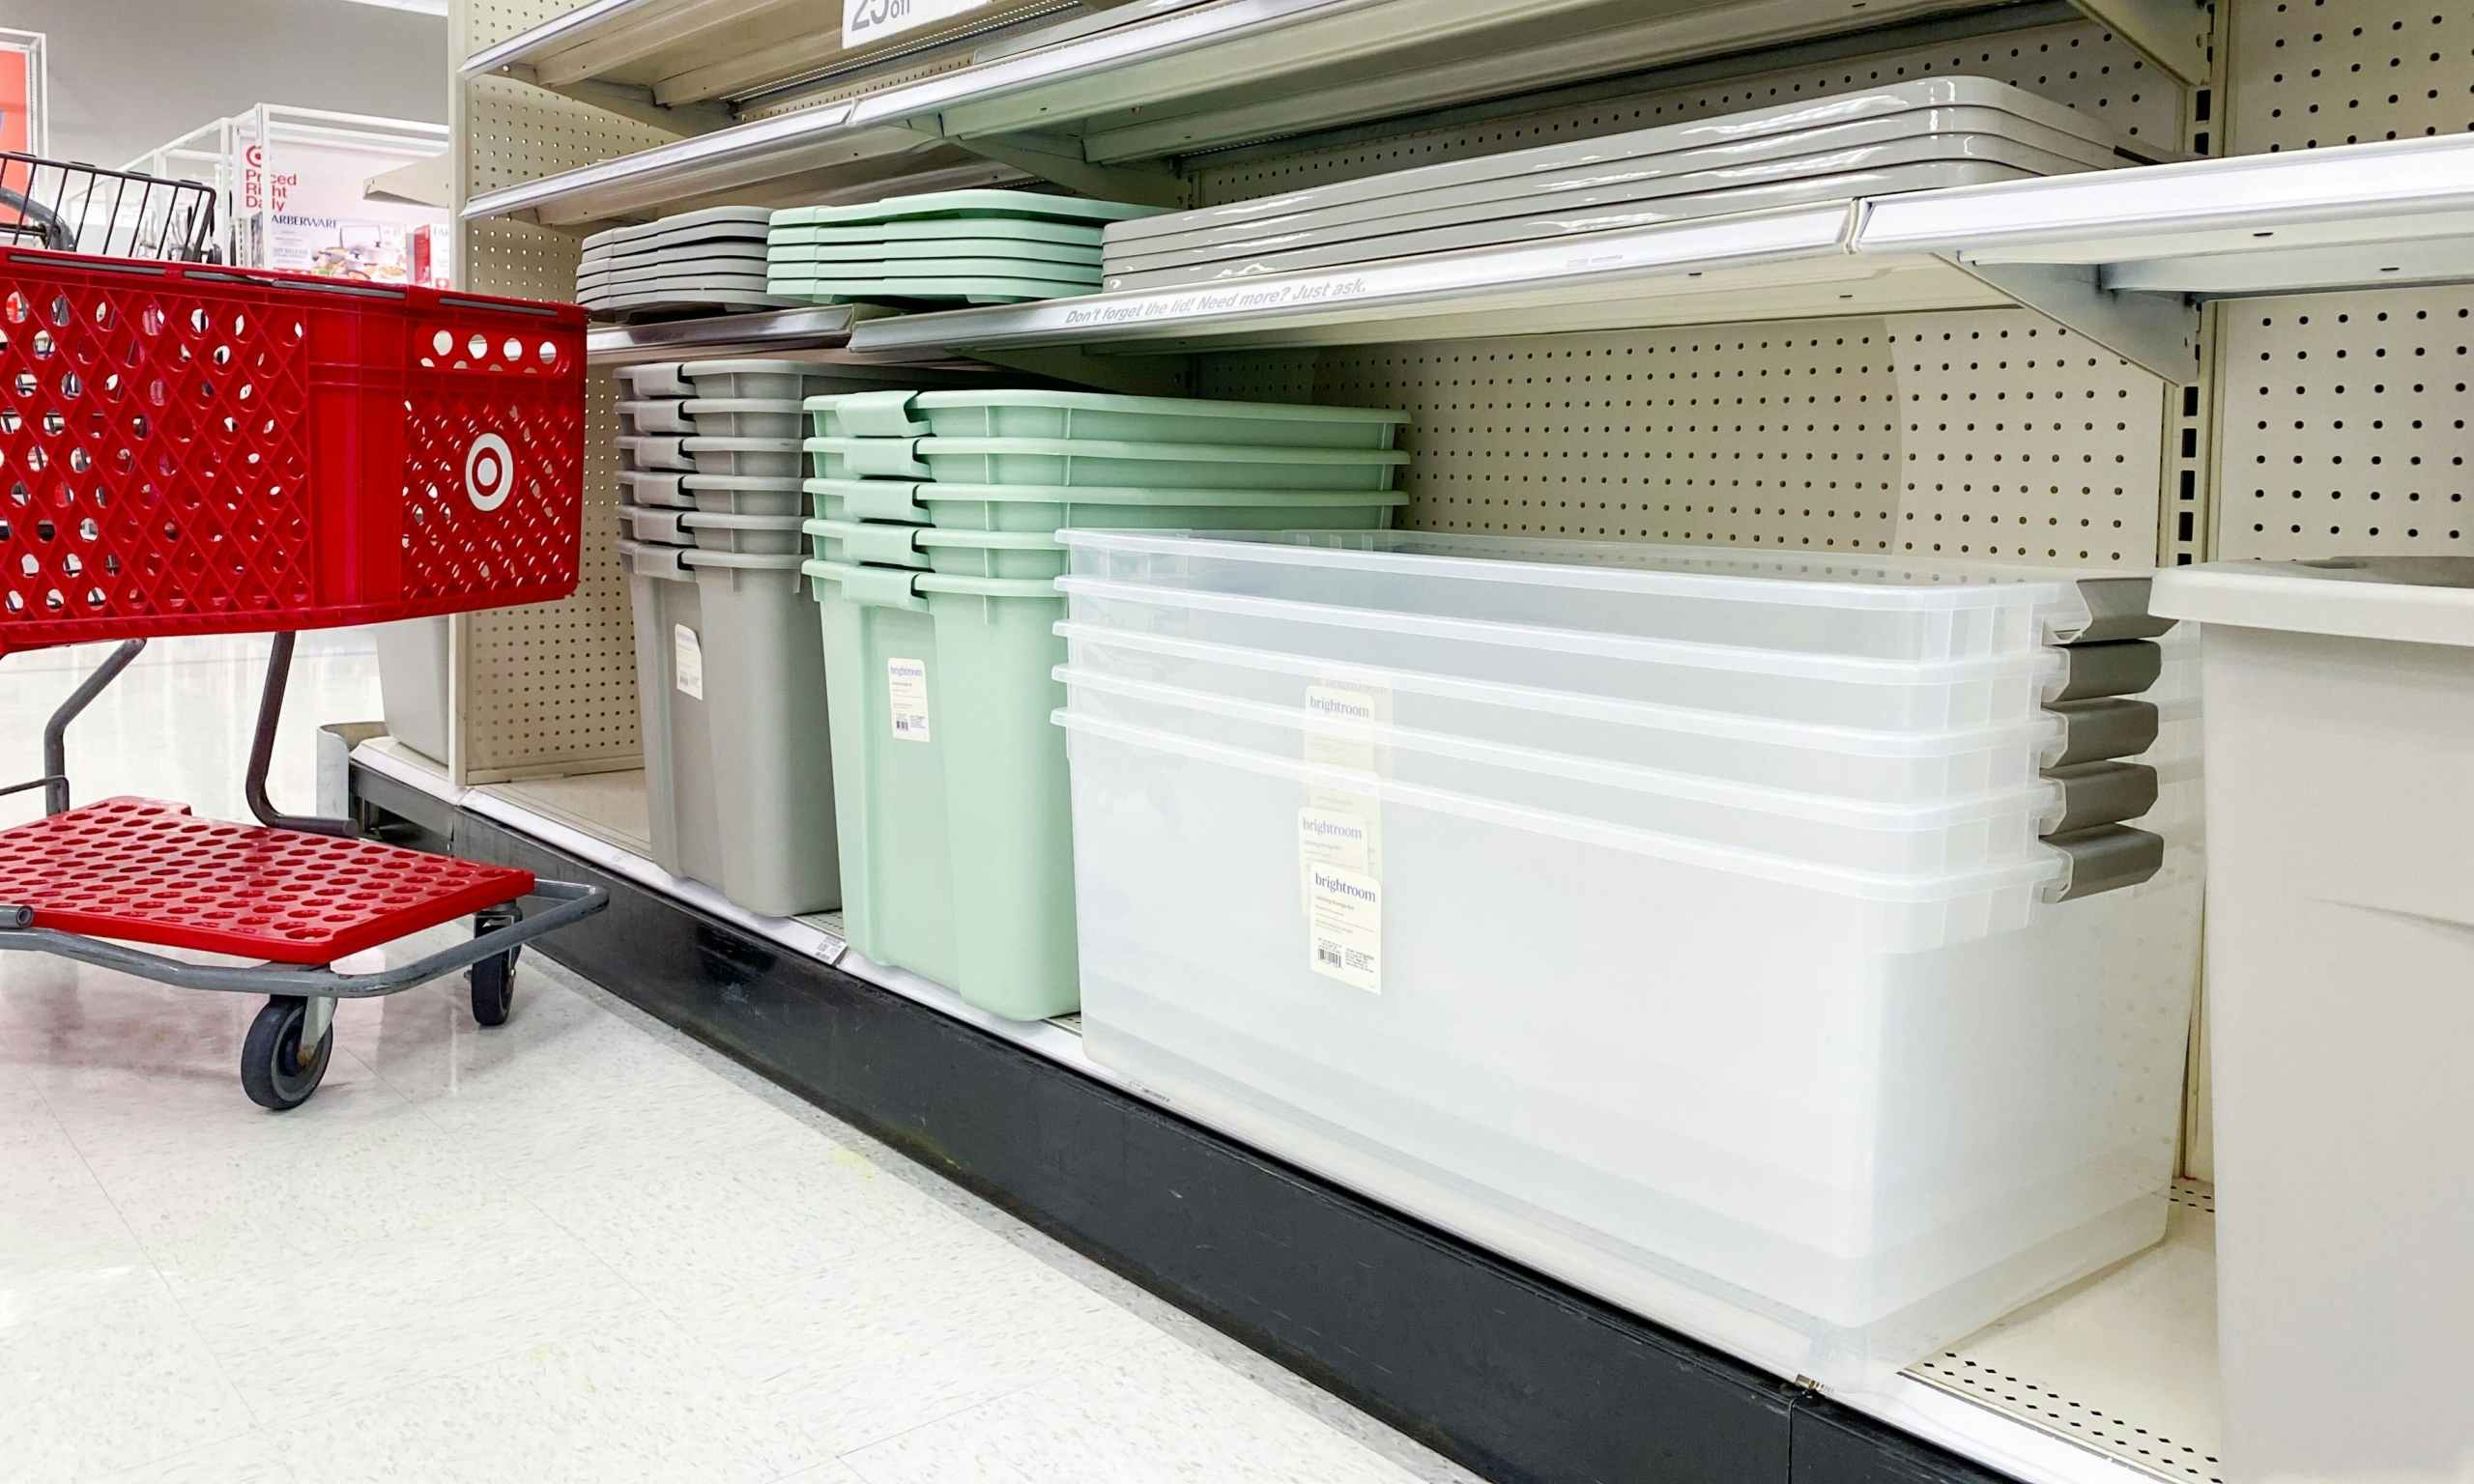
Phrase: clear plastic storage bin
(1781, 685)
(1826, 1118)
(1891, 838)
(1084, 416)
(1872, 607)
(1799, 756)
(1074, 463)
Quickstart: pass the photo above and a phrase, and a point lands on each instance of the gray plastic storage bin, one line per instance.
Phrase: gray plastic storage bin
(655, 487)
(764, 458)
(730, 685)
(657, 379)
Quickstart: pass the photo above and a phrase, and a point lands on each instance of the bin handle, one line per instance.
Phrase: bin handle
(887, 458)
(882, 587)
(879, 414)
(891, 501)
(665, 562)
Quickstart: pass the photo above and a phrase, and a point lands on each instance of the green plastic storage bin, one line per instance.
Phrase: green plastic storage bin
(782, 265)
(1032, 507)
(864, 458)
(1074, 463)
(999, 205)
(867, 499)
(1011, 553)
(932, 230)
(986, 289)
(880, 250)
(871, 543)
(889, 788)
(1087, 415)
(951, 802)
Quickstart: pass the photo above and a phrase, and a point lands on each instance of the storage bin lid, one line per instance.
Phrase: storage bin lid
(1183, 406)
(2420, 600)
(964, 203)
(2072, 606)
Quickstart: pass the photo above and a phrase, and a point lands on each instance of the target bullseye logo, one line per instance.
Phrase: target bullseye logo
(489, 472)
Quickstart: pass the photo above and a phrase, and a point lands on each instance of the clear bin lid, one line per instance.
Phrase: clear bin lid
(2072, 605)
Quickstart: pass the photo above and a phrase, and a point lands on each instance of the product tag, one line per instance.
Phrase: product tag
(1330, 838)
(687, 658)
(866, 21)
(1344, 927)
(906, 690)
(1357, 754)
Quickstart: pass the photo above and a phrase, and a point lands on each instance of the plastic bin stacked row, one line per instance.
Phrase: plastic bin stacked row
(970, 246)
(1752, 940)
(1920, 135)
(695, 263)
(937, 555)
(729, 686)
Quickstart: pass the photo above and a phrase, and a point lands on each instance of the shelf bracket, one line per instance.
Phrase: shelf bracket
(1140, 376)
(1059, 161)
(2157, 332)
(2173, 33)
(630, 103)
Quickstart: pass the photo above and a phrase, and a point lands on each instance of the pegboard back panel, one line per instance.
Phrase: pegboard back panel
(1991, 435)
(2341, 428)
(549, 688)
(2079, 64)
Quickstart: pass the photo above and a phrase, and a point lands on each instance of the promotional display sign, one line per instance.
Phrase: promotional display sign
(865, 22)
(21, 127)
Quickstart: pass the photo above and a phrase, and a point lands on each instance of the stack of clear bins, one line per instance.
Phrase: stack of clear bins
(1757, 941)
(936, 561)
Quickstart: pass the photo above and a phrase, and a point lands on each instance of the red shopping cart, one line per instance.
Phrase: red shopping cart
(187, 449)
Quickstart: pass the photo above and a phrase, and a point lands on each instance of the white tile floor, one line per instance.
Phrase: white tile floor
(578, 1248)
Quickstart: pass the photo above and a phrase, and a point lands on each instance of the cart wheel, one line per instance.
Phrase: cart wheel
(494, 978)
(272, 1071)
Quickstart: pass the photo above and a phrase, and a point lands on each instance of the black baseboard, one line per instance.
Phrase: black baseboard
(1512, 1374)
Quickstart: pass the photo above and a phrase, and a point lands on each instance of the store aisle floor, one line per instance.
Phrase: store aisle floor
(578, 1248)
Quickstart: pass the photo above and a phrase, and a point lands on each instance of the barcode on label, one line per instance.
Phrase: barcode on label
(1328, 953)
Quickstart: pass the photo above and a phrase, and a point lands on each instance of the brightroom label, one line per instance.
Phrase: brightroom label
(687, 659)
(907, 692)
(1344, 927)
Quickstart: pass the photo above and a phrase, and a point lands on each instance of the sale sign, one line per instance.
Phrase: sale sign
(16, 128)
(868, 22)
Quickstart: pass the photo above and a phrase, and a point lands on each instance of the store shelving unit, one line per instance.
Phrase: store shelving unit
(2118, 256)
(2045, 370)
(1099, 107)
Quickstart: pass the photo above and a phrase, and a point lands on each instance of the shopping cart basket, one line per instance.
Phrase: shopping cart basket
(190, 449)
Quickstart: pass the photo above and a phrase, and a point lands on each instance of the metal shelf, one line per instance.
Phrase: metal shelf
(1174, 77)
(819, 333)
(2347, 216)
(773, 330)
(682, 52)
(2118, 256)
(2122, 1364)
(1790, 264)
